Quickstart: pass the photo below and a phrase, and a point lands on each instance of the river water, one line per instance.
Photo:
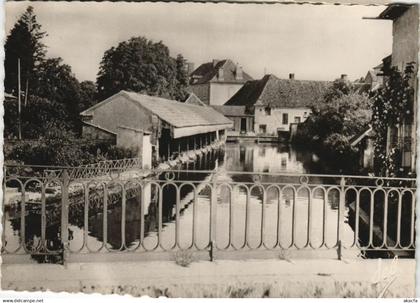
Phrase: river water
(238, 216)
(231, 211)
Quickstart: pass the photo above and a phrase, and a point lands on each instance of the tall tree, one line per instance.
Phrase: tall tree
(139, 65)
(23, 42)
(339, 88)
(181, 77)
(58, 84)
(88, 95)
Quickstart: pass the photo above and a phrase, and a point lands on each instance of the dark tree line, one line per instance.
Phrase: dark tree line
(343, 113)
(141, 65)
(52, 97)
(51, 94)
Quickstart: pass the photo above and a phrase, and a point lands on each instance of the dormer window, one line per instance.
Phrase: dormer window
(268, 111)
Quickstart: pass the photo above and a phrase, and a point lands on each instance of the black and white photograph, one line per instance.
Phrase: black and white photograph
(210, 150)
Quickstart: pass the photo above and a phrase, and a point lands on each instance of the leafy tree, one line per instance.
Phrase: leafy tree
(341, 115)
(346, 115)
(23, 42)
(40, 114)
(88, 95)
(37, 116)
(182, 78)
(140, 65)
(58, 84)
(392, 106)
(339, 88)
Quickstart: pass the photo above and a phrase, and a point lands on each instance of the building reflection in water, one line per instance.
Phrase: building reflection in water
(267, 158)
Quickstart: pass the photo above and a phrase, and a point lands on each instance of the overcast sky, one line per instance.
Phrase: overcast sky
(317, 42)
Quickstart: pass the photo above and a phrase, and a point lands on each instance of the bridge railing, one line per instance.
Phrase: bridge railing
(211, 211)
(87, 171)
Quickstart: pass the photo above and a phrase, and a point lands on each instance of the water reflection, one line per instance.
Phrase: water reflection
(265, 158)
(237, 213)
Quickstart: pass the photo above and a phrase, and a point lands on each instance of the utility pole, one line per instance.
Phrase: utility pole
(26, 91)
(19, 104)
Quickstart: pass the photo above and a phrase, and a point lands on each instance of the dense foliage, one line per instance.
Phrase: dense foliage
(60, 147)
(393, 105)
(343, 114)
(141, 65)
(38, 117)
(24, 43)
(46, 82)
(52, 99)
(88, 95)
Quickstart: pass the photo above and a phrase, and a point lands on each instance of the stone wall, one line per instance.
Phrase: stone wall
(202, 91)
(130, 138)
(120, 111)
(220, 93)
(405, 49)
(96, 133)
(405, 46)
(274, 121)
(237, 123)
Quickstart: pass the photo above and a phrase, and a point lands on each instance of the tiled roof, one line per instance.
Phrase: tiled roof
(176, 113)
(231, 110)
(193, 99)
(208, 72)
(276, 92)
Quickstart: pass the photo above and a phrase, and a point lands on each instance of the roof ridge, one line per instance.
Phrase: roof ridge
(265, 80)
(163, 99)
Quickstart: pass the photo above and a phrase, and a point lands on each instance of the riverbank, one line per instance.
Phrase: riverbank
(222, 278)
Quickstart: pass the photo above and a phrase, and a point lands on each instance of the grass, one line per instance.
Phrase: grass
(289, 289)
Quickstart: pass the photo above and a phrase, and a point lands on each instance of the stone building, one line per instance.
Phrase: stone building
(243, 121)
(405, 49)
(159, 128)
(193, 99)
(276, 103)
(215, 82)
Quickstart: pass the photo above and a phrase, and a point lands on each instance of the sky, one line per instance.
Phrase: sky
(315, 42)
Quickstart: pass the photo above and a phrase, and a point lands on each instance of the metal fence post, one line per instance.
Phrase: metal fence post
(213, 206)
(341, 206)
(65, 214)
(3, 216)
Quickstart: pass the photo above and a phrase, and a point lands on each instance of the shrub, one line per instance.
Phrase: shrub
(117, 152)
(60, 147)
(337, 144)
(184, 258)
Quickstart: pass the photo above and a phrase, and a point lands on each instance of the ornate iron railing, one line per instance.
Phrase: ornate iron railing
(87, 171)
(208, 210)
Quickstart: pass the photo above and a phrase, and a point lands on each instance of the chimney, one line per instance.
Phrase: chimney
(215, 61)
(239, 75)
(292, 76)
(220, 74)
(344, 77)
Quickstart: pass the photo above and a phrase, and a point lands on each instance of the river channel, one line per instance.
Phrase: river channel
(238, 214)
